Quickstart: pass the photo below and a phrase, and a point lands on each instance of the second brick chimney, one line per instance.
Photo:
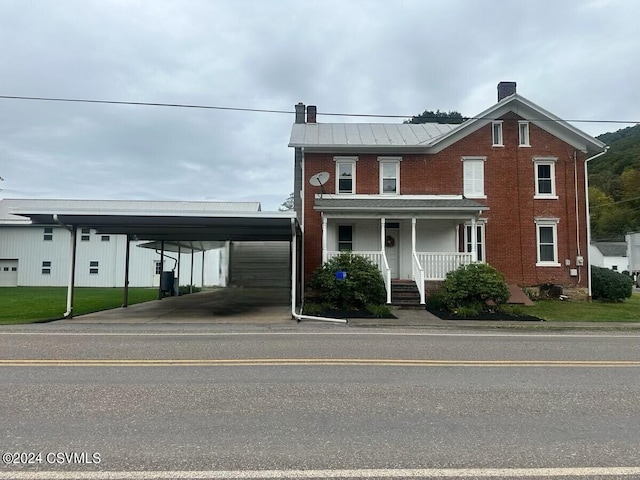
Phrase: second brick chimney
(506, 89)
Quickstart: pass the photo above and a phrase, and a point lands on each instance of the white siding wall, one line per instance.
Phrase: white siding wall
(27, 245)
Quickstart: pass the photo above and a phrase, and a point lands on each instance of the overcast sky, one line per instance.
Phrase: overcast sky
(578, 59)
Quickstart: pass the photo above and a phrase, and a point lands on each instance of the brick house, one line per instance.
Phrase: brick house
(506, 187)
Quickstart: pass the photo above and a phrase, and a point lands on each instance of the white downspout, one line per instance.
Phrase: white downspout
(586, 194)
(72, 269)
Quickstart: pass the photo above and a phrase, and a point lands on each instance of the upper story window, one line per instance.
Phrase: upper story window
(48, 234)
(85, 235)
(389, 175)
(523, 134)
(545, 175)
(105, 238)
(345, 174)
(547, 242)
(497, 134)
(473, 177)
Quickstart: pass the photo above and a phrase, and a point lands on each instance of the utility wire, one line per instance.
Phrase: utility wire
(260, 110)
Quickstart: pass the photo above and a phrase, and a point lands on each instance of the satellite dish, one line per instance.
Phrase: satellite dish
(319, 179)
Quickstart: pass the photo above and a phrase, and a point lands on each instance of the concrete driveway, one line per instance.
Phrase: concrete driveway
(226, 305)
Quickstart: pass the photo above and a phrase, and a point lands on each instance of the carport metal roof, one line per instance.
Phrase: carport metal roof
(155, 224)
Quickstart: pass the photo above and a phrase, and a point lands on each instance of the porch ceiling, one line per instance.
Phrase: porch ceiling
(445, 207)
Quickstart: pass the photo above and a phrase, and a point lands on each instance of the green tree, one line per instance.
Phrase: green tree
(429, 116)
(287, 204)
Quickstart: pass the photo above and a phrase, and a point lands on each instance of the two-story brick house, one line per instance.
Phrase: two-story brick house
(505, 187)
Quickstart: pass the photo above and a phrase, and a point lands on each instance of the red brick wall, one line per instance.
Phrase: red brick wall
(510, 241)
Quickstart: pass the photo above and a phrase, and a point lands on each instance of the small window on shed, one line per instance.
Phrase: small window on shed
(48, 234)
(86, 235)
(93, 267)
(46, 267)
(106, 238)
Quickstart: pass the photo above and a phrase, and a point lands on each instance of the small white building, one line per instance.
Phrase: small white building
(39, 255)
(611, 255)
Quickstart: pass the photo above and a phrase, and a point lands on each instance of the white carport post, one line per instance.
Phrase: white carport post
(294, 266)
(72, 272)
(202, 280)
(125, 302)
(383, 222)
(191, 281)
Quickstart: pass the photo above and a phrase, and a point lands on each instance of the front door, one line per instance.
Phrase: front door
(391, 246)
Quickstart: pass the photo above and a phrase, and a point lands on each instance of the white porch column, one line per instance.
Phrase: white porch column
(413, 236)
(382, 234)
(474, 240)
(324, 238)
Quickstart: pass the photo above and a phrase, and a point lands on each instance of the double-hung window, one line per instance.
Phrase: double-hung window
(523, 134)
(545, 175)
(473, 177)
(389, 175)
(48, 234)
(46, 267)
(85, 235)
(547, 242)
(345, 174)
(94, 267)
(345, 238)
(497, 134)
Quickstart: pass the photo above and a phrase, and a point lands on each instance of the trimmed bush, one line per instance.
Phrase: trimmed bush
(610, 286)
(472, 286)
(363, 284)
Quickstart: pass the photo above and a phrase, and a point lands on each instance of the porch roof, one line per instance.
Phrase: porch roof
(415, 204)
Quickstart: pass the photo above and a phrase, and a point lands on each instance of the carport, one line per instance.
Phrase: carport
(176, 230)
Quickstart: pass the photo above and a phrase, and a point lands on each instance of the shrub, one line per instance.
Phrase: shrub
(363, 285)
(379, 311)
(474, 285)
(610, 286)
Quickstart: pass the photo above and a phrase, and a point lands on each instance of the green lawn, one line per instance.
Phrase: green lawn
(30, 304)
(557, 311)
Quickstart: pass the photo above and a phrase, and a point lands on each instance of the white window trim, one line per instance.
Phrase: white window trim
(473, 195)
(526, 142)
(391, 161)
(346, 160)
(545, 161)
(547, 222)
(500, 142)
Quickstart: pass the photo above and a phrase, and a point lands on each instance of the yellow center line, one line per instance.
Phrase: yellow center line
(312, 362)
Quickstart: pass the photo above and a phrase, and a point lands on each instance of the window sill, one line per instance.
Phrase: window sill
(524, 146)
(499, 146)
(545, 197)
(548, 264)
(475, 197)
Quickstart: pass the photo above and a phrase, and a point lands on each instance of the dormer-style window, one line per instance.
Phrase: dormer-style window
(389, 175)
(523, 134)
(497, 134)
(345, 174)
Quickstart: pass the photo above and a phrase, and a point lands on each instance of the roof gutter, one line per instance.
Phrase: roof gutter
(586, 194)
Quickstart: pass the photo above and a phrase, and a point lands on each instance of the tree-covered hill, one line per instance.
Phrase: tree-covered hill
(614, 186)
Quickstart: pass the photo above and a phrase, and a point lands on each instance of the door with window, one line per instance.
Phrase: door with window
(392, 235)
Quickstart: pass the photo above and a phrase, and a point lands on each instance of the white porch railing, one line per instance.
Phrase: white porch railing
(418, 276)
(437, 264)
(379, 259)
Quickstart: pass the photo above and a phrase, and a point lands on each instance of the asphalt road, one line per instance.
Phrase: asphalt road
(318, 402)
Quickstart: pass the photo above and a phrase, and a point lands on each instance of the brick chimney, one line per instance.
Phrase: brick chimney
(300, 112)
(311, 113)
(506, 89)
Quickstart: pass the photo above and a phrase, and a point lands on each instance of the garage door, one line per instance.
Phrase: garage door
(262, 265)
(8, 273)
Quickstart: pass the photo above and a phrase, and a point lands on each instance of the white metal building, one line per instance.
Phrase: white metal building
(38, 255)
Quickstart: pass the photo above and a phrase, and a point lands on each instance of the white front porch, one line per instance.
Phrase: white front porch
(418, 249)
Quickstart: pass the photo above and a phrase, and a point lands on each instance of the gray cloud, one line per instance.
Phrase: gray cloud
(576, 59)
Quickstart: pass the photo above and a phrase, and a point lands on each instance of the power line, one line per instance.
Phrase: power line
(261, 110)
